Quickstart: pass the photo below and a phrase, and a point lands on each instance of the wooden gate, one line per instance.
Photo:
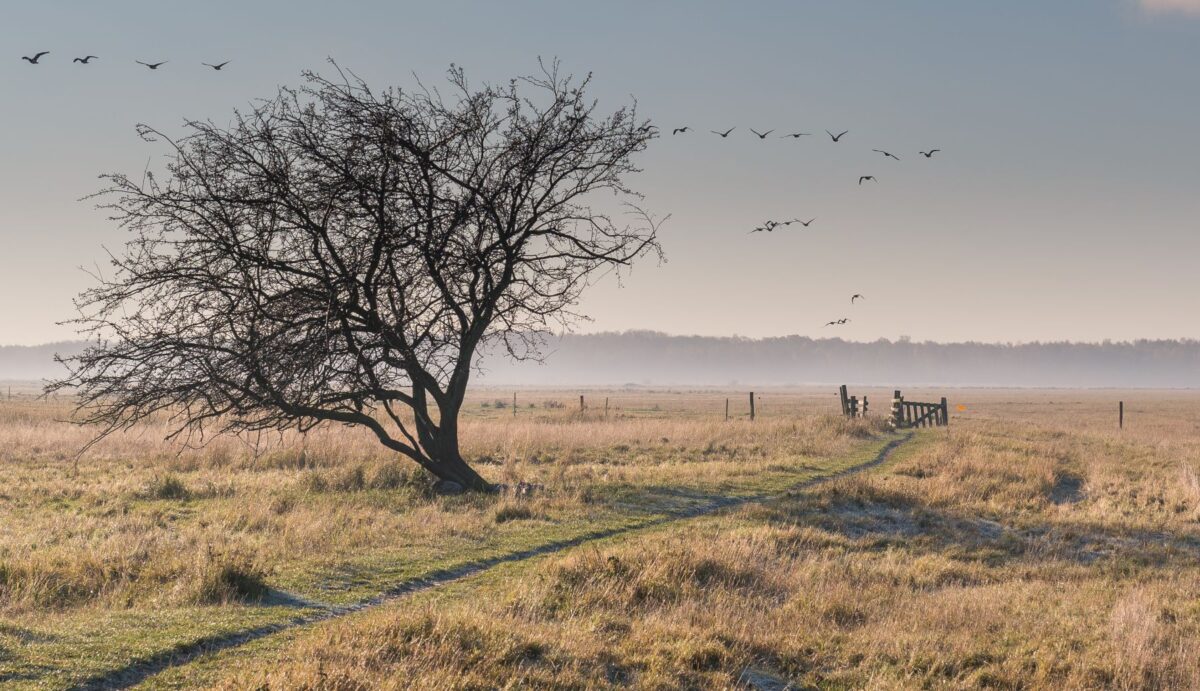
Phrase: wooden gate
(913, 414)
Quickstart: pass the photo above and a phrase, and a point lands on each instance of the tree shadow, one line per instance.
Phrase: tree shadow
(875, 519)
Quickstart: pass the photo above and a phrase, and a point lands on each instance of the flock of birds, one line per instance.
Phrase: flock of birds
(766, 227)
(36, 59)
(844, 320)
(773, 225)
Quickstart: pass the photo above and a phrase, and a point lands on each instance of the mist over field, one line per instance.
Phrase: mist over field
(651, 358)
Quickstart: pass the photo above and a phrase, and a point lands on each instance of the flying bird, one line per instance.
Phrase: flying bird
(768, 226)
(930, 153)
(804, 223)
(843, 320)
(832, 323)
(216, 67)
(796, 135)
(761, 135)
(151, 65)
(86, 60)
(856, 296)
(864, 178)
(837, 137)
(886, 154)
(35, 58)
(725, 133)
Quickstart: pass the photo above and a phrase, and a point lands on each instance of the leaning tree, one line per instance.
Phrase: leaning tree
(343, 255)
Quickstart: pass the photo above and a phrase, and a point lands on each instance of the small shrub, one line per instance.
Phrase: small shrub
(167, 487)
(351, 480)
(314, 482)
(513, 512)
(281, 504)
(222, 577)
(285, 460)
(390, 475)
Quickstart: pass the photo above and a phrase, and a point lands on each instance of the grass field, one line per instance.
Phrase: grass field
(1030, 544)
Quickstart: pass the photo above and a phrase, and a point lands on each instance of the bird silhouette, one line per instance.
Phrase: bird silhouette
(151, 65)
(216, 67)
(86, 60)
(832, 323)
(796, 135)
(886, 154)
(843, 320)
(864, 178)
(725, 133)
(768, 226)
(930, 153)
(857, 296)
(804, 223)
(35, 58)
(761, 135)
(837, 137)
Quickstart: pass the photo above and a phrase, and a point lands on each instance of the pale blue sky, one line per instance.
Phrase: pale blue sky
(1065, 204)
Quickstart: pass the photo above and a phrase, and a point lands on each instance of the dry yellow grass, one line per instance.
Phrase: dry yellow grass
(152, 523)
(1030, 545)
(1040, 550)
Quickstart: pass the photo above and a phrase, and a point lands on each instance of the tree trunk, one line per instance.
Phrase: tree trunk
(450, 466)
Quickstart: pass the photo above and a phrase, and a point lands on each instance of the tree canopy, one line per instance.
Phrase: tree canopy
(339, 255)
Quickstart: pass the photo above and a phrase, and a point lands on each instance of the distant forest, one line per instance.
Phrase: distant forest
(651, 358)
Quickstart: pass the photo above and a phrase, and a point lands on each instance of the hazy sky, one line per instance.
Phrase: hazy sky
(1065, 204)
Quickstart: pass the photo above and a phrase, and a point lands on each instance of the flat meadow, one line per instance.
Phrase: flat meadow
(1029, 544)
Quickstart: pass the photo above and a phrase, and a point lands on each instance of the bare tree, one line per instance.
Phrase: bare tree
(341, 255)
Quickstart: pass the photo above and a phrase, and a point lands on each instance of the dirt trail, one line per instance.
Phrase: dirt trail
(140, 670)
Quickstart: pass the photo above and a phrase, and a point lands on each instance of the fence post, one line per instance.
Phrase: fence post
(514, 404)
(854, 406)
(606, 407)
(845, 400)
(752, 406)
(726, 409)
(945, 412)
(897, 410)
(1120, 414)
(864, 408)
(581, 406)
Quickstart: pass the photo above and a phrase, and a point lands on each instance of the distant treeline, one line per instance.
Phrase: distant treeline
(643, 357)
(33, 363)
(651, 358)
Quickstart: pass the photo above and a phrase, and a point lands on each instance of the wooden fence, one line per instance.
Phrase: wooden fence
(850, 404)
(904, 413)
(914, 414)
